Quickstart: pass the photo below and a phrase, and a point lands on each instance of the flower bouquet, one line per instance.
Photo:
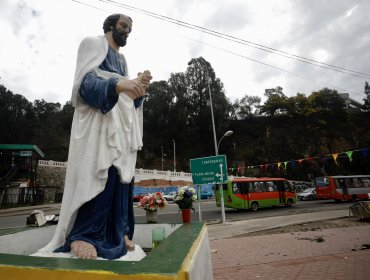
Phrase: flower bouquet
(152, 202)
(185, 198)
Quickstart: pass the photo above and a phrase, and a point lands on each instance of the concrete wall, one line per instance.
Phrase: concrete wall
(51, 176)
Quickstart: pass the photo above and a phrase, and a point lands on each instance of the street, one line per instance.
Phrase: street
(209, 212)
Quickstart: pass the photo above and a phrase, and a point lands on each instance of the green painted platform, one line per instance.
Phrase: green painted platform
(182, 255)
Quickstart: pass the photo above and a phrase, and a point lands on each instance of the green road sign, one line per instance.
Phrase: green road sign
(209, 170)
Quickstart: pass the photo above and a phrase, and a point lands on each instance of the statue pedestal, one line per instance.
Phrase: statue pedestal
(184, 254)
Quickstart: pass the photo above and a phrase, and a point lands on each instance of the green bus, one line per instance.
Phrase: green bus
(254, 193)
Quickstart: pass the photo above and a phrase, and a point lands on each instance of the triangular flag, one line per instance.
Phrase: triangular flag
(335, 157)
(300, 160)
(349, 154)
(364, 152)
(285, 163)
(278, 165)
(322, 158)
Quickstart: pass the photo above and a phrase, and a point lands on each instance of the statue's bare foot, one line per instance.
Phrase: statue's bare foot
(129, 244)
(83, 250)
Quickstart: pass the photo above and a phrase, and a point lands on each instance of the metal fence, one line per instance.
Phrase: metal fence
(19, 196)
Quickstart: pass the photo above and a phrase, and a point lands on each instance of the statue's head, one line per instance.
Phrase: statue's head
(120, 25)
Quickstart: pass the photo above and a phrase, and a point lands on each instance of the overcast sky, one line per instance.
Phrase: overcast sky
(39, 41)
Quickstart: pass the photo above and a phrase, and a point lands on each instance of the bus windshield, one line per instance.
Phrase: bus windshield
(322, 182)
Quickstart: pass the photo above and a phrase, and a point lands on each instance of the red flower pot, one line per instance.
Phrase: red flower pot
(185, 215)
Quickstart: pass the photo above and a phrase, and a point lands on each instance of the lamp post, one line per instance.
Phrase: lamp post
(215, 141)
(227, 133)
(211, 105)
(174, 155)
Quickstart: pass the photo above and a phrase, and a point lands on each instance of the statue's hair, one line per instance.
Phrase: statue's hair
(111, 21)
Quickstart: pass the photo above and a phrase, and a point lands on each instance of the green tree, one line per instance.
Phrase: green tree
(17, 118)
(157, 111)
(247, 107)
(326, 99)
(276, 102)
(47, 129)
(200, 78)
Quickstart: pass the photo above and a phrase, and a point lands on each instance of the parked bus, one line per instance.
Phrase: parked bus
(343, 188)
(254, 193)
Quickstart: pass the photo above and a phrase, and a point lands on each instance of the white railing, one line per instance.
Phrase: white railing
(140, 174)
(52, 163)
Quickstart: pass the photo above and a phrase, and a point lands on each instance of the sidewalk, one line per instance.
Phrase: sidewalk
(336, 253)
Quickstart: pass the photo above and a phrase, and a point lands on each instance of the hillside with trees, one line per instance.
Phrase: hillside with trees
(295, 137)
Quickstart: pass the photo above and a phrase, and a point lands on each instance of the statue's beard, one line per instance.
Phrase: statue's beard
(119, 37)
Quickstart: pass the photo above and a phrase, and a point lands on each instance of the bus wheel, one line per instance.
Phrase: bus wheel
(289, 203)
(354, 197)
(254, 206)
(337, 200)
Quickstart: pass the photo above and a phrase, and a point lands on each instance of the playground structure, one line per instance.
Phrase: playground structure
(18, 173)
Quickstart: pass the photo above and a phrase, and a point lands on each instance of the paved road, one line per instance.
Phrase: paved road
(210, 213)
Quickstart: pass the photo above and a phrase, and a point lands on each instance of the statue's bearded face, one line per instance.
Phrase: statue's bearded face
(121, 30)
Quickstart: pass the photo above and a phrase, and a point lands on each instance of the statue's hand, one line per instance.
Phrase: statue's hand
(133, 88)
(145, 78)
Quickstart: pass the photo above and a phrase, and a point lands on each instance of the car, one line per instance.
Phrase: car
(137, 197)
(307, 194)
(206, 194)
(170, 196)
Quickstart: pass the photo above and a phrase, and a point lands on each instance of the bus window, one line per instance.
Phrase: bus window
(236, 189)
(251, 187)
(259, 187)
(341, 183)
(287, 187)
(263, 187)
(356, 183)
(365, 182)
(271, 187)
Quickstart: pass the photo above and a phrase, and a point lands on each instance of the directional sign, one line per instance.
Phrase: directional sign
(209, 170)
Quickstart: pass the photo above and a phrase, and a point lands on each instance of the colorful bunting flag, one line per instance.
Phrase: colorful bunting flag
(349, 154)
(364, 153)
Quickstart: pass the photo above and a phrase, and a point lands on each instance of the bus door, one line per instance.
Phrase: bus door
(245, 194)
(343, 187)
(239, 195)
(281, 190)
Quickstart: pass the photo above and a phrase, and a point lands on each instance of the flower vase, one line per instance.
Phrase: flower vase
(185, 215)
(151, 216)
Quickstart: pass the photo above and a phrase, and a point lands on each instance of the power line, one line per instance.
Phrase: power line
(184, 24)
(241, 41)
(272, 66)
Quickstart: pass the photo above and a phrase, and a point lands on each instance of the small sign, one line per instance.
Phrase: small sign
(209, 170)
(22, 153)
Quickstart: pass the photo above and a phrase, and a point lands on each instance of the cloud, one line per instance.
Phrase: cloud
(219, 16)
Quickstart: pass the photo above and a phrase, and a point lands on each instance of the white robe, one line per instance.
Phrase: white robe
(97, 142)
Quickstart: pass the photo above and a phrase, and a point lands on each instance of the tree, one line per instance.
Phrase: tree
(200, 79)
(276, 102)
(17, 118)
(157, 111)
(326, 99)
(367, 98)
(247, 107)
